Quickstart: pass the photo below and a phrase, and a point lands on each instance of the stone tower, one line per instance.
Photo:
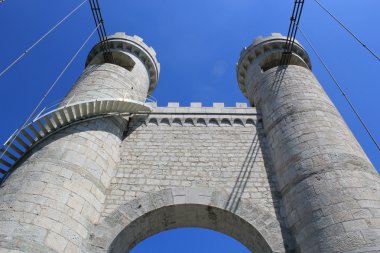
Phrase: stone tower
(58, 190)
(329, 188)
(105, 170)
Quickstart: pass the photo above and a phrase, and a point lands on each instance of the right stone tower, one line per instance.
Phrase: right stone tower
(329, 188)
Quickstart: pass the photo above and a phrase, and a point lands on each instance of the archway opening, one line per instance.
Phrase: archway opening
(189, 216)
(189, 240)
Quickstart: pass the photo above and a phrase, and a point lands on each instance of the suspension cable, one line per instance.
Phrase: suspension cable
(47, 93)
(292, 31)
(340, 88)
(40, 39)
(348, 30)
(97, 15)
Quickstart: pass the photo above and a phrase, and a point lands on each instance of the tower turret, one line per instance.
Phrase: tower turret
(133, 75)
(329, 188)
(262, 55)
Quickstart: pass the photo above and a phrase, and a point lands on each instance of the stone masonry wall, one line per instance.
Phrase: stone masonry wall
(212, 151)
(212, 148)
(52, 199)
(108, 81)
(330, 190)
(75, 180)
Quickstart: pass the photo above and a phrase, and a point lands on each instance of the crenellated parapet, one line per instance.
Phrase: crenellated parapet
(123, 47)
(197, 115)
(199, 121)
(265, 53)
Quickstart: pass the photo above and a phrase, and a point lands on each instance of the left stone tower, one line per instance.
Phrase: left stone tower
(57, 187)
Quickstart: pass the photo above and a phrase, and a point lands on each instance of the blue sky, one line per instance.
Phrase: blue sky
(198, 44)
(178, 240)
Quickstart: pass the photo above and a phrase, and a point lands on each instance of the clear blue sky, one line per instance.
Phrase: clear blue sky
(198, 44)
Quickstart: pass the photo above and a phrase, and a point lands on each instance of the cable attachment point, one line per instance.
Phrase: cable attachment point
(292, 32)
(99, 23)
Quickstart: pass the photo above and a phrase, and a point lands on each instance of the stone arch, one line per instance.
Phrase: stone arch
(141, 218)
(213, 122)
(165, 121)
(238, 122)
(225, 122)
(201, 122)
(153, 121)
(176, 122)
(250, 122)
(189, 122)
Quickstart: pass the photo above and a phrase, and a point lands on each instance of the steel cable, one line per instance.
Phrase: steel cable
(40, 39)
(47, 93)
(97, 15)
(292, 32)
(348, 30)
(340, 88)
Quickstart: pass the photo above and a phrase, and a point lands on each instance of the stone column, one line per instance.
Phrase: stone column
(53, 198)
(330, 190)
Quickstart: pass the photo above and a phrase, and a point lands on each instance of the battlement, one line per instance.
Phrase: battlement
(266, 53)
(198, 108)
(126, 50)
(197, 115)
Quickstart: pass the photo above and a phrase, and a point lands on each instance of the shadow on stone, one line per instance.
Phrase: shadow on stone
(244, 175)
(279, 78)
(289, 241)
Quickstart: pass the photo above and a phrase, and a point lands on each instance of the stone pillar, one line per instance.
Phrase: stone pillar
(53, 198)
(330, 190)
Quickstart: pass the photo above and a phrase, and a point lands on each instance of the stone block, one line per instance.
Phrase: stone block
(241, 105)
(173, 104)
(196, 105)
(218, 105)
(56, 242)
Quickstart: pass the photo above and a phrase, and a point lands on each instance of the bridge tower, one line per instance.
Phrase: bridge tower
(329, 188)
(103, 171)
(56, 194)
